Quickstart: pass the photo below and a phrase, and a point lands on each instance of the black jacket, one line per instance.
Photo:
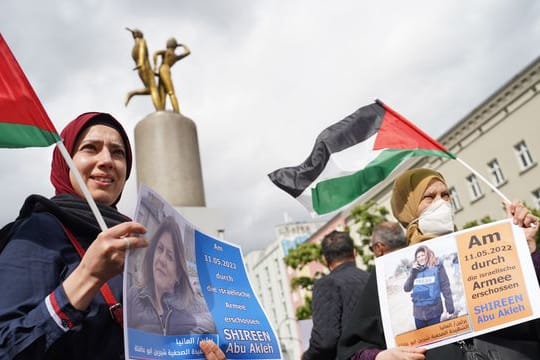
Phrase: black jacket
(33, 266)
(334, 298)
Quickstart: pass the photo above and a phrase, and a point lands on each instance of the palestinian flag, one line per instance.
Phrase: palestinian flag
(353, 155)
(23, 120)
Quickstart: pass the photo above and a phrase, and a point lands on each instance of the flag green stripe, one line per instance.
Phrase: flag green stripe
(20, 136)
(332, 194)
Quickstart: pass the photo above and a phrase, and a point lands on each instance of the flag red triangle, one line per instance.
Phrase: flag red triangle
(398, 133)
(19, 103)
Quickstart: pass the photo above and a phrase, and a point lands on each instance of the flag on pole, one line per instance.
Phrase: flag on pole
(25, 123)
(353, 155)
(23, 120)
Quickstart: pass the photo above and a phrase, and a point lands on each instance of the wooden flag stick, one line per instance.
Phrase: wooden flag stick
(497, 191)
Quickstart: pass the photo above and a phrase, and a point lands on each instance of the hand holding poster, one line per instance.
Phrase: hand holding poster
(457, 286)
(187, 287)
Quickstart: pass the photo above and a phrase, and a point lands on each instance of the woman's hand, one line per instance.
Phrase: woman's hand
(522, 217)
(103, 260)
(402, 353)
(105, 257)
(211, 351)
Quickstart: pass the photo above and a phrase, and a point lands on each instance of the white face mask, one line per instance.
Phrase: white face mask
(437, 218)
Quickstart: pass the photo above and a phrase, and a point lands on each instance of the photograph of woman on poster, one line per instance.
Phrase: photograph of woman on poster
(427, 281)
(166, 303)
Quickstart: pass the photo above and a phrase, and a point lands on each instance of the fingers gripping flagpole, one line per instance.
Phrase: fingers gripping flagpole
(477, 174)
(82, 185)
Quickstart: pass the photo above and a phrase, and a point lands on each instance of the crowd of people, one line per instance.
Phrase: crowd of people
(63, 274)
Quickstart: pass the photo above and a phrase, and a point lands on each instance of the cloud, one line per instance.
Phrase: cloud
(263, 80)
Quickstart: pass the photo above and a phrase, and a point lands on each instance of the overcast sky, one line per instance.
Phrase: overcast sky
(263, 80)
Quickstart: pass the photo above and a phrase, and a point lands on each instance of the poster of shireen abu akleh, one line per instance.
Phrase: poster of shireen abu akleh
(185, 287)
(457, 286)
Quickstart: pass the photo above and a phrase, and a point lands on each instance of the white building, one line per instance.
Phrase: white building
(271, 282)
(499, 139)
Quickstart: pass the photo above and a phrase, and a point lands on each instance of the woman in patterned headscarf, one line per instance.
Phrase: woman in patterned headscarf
(421, 203)
(413, 192)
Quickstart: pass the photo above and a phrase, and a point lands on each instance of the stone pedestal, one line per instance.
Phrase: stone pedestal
(168, 161)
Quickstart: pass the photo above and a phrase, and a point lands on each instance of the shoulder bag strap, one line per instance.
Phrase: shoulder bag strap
(115, 307)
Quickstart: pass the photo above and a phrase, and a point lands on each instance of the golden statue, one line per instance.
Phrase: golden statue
(163, 71)
(168, 59)
(139, 53)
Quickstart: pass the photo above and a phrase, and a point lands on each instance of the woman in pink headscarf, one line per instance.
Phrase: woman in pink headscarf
(61, 273)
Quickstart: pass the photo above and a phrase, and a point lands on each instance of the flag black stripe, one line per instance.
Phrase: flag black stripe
(354, 129)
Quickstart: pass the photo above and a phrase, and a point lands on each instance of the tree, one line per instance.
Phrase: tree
(485, 220)
(365, 217)
(296, 259)
(302, 255)
(536, 212)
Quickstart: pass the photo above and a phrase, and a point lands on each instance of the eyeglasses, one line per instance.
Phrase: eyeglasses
(371, 246)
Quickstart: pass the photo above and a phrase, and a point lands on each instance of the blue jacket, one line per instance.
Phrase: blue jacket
(36, 319)
(428, 284)
(427, 287)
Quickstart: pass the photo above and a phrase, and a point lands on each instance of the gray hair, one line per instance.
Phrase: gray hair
(390, 234)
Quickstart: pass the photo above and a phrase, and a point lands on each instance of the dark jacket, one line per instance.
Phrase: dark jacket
(143, 315)
(365, 329)
(334, 298)
(427, 286)
(36, 318)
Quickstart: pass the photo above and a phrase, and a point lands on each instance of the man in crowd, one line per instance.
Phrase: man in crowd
(334, 295)
(387, 236)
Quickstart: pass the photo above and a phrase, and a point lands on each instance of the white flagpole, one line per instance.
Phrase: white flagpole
(497, 191)
(82, 185)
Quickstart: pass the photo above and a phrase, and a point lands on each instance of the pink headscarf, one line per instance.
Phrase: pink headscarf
(59, 168)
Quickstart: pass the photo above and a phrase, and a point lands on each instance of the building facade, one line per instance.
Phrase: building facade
(271, 282)
(499, 140)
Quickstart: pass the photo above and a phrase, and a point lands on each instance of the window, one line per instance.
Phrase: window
(258, 282)
(524, 156)
(454, 198)
(496, 172)
(476, 192)
(536, 198)
(271, 295)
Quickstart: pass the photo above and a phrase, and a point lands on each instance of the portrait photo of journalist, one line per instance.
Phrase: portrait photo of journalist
(428, 283)
(164, 302)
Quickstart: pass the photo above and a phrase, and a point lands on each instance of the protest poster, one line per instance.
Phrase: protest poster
(187, 286)
(457, 286)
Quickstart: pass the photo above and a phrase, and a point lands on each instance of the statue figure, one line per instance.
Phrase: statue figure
(165, 86)
(142, 65)
(168, 59)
